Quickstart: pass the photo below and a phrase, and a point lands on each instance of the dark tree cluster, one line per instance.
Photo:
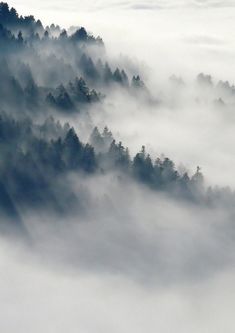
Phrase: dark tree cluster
(10, 19)
(160, 174)
(36, 159)
(29, 29)
(100, 71)
(81, 35)
(76, 92)
(8, 41)
(41, 61)
(21, 92)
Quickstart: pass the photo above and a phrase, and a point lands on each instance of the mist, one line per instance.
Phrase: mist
(127, 265)
(98, 247)
(185, 39)
(53, 301)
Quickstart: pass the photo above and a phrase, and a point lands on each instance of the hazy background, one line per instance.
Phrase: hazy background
(185, 35)
(112, 290)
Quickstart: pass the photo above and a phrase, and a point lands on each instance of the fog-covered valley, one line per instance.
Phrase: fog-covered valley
(116, 166)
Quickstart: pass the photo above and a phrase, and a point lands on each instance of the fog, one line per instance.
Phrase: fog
(190, 133)
(185, 38)
(49, 301)
(132, 259)
(130, 263)
(139, 262)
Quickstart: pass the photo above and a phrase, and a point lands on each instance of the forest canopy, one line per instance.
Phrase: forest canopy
(48, 73)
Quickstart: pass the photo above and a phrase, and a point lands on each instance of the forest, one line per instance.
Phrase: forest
(48, 73)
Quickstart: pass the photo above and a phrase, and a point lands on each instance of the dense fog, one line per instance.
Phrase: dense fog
(116, 166)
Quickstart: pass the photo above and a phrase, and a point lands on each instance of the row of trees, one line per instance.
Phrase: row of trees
(42, 62)
(101, 72)
(159, 174)
(76, 91)
(10, 19)
(33, 29)
(54, 148)
(27, 25)
(35, 160)
(22, 92)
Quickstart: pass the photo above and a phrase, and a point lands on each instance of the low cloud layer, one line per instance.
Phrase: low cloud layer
(142, 236)
(129, 258)
(34, 298)
(130, 264)
(132, 4)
